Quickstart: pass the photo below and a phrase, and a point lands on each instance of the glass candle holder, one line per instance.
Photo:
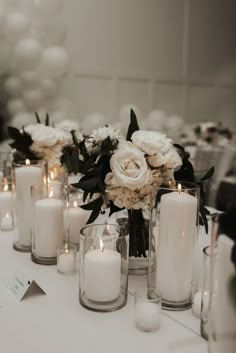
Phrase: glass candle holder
(147, 309)
(66, 259)
(75, 217)
(103, 267)
(6, 206)
(205, 291)
(57, 175)
(48, 231)
(173, 230)
(196, 297)
(25, 173)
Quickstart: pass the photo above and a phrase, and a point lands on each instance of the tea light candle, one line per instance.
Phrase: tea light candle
(25, 176)
(66, 261)
(7, 222)
(196, 305)
(102, 269)
(75, 218)
(48, 226)
(147, 315)
(178, 215)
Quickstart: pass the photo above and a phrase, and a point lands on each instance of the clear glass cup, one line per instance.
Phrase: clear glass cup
(26, 173)
(147, 309)
(205, 298)
(103, 278)
(66, 259)
(196, 297)
(47, 227)
(173, 229)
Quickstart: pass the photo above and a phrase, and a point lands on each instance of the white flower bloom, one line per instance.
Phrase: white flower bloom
(47, 135)
(67, 125)
(29, 129)
(172, 159)
(102, 133)
(156, 160)
(129, 167)
(151, 142)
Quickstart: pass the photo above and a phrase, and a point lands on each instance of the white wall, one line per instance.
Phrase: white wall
(175, 55)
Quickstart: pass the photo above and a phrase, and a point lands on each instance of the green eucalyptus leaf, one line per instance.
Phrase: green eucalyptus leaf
(209, 174)
(37, 118)
(95, 204)
(47, 120)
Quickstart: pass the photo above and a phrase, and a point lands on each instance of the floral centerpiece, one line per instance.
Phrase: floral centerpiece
(119, 174)
(114, 173)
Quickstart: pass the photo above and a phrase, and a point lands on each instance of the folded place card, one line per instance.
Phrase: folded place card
(21, 286)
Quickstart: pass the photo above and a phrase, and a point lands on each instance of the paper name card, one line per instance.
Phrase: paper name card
(21, 287)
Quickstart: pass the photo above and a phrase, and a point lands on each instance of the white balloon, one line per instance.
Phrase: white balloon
(30, 78)
(32, 97)
(17, 25)
(44, 7)
(156, 120)
(15, 106)
(48, 86)
(13, 86)
(5, 56)
(55, 61)
(28, 51)
(49, 33)
(22, 119)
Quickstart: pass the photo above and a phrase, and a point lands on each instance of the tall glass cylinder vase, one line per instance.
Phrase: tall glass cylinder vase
(172, 239)
(222, 303)
(48, 230)
(103, 278)
(25, 174)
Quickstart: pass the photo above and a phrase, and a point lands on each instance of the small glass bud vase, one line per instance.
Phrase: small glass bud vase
(103, 267)
(48, 231)
(26, 173)
(6, 206)
(172, 240)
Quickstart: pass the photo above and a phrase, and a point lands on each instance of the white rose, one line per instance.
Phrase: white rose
(172, 159)
(156, 160)
(102, 134)
(46, 135)
(151, 142)
(29, 129)
(129, 167)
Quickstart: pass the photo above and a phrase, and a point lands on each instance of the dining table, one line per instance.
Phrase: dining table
(55, 321)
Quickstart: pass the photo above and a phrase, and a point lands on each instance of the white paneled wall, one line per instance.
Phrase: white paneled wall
(174, 55)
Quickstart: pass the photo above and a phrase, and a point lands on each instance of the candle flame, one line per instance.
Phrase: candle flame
(66, 251)
(52, 176)
(5, 188)
(179, 188)
(75, 204)
(27, 162)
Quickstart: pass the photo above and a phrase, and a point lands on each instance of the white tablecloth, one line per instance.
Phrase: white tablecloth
(57, 323)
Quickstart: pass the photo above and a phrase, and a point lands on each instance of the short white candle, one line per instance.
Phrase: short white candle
(25, 176)
(48, 226)
(102, 271)
(147, 315)
(196, 304)
(75, 218)
(6, 222)
(66, 262)
(178, 214)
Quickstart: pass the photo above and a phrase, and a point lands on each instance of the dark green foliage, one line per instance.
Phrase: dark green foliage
(133, 126)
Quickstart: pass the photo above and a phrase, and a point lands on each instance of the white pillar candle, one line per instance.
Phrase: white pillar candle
(48, 226)
(66, 262)
(25, 176)
(147, 315)
(75, 218)
(178, 214)
(7, 222)
(102, 271)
